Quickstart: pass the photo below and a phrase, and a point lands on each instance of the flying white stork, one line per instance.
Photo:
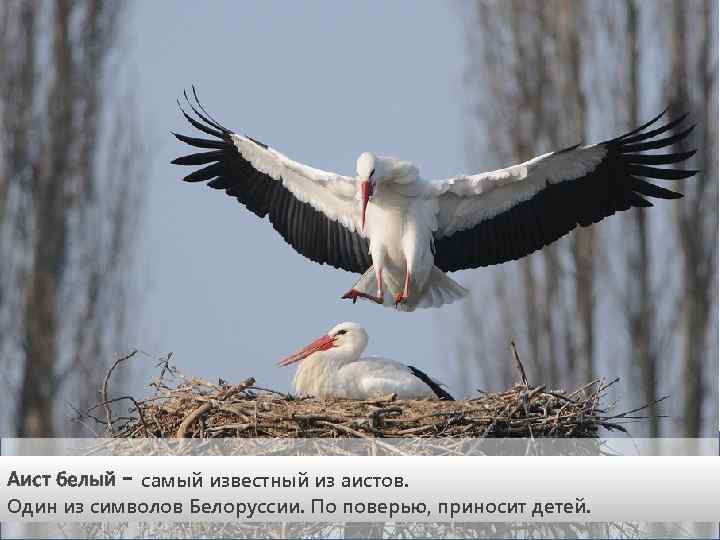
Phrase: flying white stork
(331, 367)
(402, 233)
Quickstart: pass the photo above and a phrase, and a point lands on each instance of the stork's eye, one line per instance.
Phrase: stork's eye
(341, 332)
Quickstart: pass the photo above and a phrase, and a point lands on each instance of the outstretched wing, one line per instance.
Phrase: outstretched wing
(315, 211)
(498, 216)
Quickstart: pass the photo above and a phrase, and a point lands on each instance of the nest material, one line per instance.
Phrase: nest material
(190, 407)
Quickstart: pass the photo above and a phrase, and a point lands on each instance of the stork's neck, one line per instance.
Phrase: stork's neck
(331, 359)
(317, 373)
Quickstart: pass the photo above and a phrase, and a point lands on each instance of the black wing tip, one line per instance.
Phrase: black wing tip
(649, 140)
(202, 121)
(637, 135)
(207, 117)
(260, 144)
(569, 148)
(645, 125)
(206, 122)
(681, 119)
(443, 395)
(682, 116)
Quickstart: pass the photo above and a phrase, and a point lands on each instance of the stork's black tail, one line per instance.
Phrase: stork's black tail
(434, 386)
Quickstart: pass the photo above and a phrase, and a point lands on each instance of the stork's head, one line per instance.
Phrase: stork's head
(348, 338)
(367, 176)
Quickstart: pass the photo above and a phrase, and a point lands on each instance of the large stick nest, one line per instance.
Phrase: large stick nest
(183, 406)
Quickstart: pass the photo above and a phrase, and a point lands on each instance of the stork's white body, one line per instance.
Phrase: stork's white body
(331, 374)
(400, 223)
(331, 367)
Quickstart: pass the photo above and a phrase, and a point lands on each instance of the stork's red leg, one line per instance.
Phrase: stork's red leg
(354, 294)
(403, 296)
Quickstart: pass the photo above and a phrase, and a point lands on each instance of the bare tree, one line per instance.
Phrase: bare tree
(68, 214)
(637, 292)
(573, 26)
(692, 85)
(530, 73)
(545, 75)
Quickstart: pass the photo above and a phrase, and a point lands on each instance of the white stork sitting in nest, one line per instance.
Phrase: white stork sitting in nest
(403, 233)
(331, 367)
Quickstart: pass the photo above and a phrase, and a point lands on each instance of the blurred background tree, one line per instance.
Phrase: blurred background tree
(70, 167)
(635, 296)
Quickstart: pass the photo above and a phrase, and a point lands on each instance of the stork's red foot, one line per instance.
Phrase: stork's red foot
(354, 294)
(400, 298)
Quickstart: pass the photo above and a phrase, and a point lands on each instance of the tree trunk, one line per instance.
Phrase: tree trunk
(640, 316)
(66, 223)
(583, 248)
(694, 231)
(39, 384)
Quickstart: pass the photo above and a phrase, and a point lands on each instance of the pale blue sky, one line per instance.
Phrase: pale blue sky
(321, 81)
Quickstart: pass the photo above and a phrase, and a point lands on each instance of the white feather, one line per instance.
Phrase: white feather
(332, 194)
(465, 201)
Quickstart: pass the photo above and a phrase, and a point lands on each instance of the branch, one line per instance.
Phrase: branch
(108, 412)
(206, 407)
(518, 364)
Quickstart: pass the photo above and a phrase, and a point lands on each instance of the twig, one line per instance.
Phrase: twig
(283, 394)
(205, 407)
(375, 418)
(624, 414)
(190, 418)
(561, 396)
(354, 433)
(164, 362)
(518, 363)
(108, 412)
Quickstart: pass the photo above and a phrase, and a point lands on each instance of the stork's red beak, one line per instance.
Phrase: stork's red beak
(322, 343)
(366, 191)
